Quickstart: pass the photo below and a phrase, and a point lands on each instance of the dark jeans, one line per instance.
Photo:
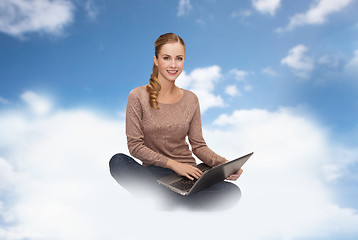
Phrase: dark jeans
(141, 181)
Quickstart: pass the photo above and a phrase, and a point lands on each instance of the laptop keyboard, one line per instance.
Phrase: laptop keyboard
(184, 184)
(187, 184)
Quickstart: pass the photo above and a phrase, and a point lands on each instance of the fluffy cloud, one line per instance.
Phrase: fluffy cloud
(19, 17)
(91, 9)
(239, 75)
(266, 6)
(299, 62)
(332, 62)
(3, 101)
(286, 183)
(201, 81)
(38, 104)
(268, 71)
(54, 167)
(241, 13)
(352, 65)
(232, 90)
(317, 14)
(184, 7)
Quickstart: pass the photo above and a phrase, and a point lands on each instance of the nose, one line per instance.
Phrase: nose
(172, 63)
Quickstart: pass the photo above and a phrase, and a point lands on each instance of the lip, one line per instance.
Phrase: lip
(172, 72)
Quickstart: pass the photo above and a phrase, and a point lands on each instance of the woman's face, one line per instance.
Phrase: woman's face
(170, 61)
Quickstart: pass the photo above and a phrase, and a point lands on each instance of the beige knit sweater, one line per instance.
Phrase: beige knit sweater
(154, 136)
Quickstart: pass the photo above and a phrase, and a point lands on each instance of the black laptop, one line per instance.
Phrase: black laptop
(210, 176)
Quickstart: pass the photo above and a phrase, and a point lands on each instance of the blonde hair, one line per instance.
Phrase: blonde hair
(154, 86)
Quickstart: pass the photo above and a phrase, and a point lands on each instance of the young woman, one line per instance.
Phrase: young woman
(159, 117)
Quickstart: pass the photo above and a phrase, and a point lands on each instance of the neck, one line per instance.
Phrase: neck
(166, 87)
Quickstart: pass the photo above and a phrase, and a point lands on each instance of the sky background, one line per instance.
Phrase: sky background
(277, 77)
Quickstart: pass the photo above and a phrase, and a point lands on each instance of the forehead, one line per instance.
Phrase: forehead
(172, 49)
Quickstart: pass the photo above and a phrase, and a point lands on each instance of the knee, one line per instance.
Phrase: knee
(231, 188)
(117, 159)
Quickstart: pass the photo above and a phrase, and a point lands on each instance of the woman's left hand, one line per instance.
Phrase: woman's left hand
(235, 176)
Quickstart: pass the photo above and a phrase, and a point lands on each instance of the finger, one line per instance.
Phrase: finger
(198, 170)
(240, 172)
(232, 178)
(195, 174)
(188, 176)
(237, 174)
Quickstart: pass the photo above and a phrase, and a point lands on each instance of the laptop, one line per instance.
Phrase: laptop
(210, 176)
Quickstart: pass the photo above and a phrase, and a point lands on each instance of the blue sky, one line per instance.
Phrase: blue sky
(276, 77)
(95, 56)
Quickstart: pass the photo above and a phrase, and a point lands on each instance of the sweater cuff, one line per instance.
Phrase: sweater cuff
(162, 162)
(219, 160)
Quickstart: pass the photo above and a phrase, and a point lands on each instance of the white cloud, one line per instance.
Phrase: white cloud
(184, 7)
(55, 167)
(268, 71)
(232, 91)
(299, 62)
(7, 176)
(3, 101)
(248, 88)
(201, 81)
(332, 61)
(266, 6)
(19, 17)
(38, 104)
(91, 9)
(352, 65)
(293, 165)
(240, 75)
(241, 13)
(317, 14)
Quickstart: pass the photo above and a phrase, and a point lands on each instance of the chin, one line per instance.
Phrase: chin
(172, 78)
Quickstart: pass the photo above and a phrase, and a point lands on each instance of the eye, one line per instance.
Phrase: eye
(166, 58)
(179, 58)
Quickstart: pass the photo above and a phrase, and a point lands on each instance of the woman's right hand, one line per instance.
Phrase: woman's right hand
(184, 169)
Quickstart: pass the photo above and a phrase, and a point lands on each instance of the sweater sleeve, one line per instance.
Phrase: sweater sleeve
(135, 135)
(197, 142)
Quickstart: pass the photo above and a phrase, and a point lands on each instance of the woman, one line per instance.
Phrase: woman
(159, 117)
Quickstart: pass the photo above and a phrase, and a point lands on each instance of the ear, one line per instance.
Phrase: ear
(155, 61)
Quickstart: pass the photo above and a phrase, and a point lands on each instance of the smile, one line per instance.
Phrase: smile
(172, 71)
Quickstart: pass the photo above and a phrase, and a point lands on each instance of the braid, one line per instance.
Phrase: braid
(153, 88)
